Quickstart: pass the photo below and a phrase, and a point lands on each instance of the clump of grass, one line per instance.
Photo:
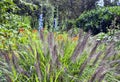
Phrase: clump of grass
(47, 59)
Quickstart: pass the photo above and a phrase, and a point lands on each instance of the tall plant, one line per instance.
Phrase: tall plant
(57, 58)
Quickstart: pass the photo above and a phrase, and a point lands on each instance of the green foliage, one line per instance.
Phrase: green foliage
(98, 20)
(6, 7)
(10, 29)
(10, 24)
(30, 56)
(8, 18)
(16, 15)
(48, 13)
(56, 58)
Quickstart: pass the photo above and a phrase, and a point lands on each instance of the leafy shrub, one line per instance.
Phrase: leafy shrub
(98, 20)
(70, 24)
(10, 25)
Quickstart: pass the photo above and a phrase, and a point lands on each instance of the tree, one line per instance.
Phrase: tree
(111, 3)
(73, 8)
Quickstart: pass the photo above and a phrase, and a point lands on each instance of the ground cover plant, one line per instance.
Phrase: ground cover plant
(55, 57)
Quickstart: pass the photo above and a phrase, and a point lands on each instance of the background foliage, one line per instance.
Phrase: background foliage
(99, 20)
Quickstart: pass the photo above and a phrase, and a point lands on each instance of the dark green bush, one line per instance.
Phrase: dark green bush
(98, 20)
(69, 25)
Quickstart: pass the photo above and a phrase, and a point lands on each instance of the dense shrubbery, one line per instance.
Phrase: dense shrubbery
(98, 20)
